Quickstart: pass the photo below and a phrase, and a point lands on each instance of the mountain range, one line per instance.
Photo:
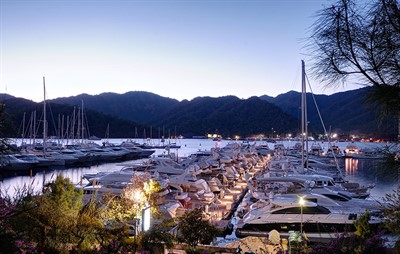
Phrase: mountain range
(139, 114)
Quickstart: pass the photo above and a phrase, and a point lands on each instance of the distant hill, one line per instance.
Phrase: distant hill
(227, 115)
(97, 123)
(344, 112)
(142, 107)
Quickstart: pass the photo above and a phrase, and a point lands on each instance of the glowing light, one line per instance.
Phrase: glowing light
(146, 218)
(137, 195)
(301, 200)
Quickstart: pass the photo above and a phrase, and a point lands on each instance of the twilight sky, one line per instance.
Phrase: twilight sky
(174, 48)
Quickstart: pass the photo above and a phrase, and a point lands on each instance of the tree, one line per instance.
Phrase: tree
(349, 41)
(391, 205)
(12, 209)
(5, 146)
(156, 238)
(194, 230)
(51, 222)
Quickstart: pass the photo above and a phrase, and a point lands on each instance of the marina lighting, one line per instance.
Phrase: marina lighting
(146, 218)
(301, 203)
(137, 195)
(301, 200)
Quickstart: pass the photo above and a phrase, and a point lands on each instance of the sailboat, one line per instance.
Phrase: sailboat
(356, 190)
(54, 157)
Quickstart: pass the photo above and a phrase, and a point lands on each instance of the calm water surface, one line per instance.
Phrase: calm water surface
(363, 171)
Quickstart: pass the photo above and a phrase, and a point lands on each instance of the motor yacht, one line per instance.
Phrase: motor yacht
(334, 151)
(10, 162)
(285, 215)
(316, 149)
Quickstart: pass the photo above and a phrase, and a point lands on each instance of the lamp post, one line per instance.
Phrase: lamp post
(146, 218)
(301, 203)
(137, 197)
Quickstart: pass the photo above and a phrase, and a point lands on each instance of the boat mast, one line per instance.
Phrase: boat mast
(34, 133)
(44, 116)
(83, 124)
(304, 121)
(23, 129)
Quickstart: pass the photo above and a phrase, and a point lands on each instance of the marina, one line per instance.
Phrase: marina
(189, 127)
(364, 171)
(236, 182)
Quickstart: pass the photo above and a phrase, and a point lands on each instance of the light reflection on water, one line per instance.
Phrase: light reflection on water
(351, 166)
(363, 171)
(36, 178)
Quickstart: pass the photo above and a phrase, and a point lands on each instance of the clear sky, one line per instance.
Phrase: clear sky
(174, 48)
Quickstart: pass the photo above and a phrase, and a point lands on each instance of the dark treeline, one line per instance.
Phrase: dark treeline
(142, 114)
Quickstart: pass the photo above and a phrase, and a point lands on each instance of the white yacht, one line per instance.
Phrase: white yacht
(351, 150)
(303, 182)
(316, 149)
(10, 162)
(334, 151)
(337, 202)
(286, 215)
(39, 161)
(264, 150)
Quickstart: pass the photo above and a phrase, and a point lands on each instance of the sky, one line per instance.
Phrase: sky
(179, 49)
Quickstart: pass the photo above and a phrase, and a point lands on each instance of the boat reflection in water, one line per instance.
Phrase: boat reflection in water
(351, 166)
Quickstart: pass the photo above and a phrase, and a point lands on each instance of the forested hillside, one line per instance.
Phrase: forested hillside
(134, 113)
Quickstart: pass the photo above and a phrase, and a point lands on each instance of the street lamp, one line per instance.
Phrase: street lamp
(301, 203)
(137, 198)
(146, 216)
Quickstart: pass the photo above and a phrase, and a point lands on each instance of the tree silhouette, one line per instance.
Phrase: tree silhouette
(193, 230)
(352, 42)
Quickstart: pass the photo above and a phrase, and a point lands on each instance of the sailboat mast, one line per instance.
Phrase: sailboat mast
(23, 128)
(34, 127)
(83, 124)
(44, 116)
(304, 120)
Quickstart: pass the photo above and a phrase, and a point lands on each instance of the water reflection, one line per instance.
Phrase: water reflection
(35, 179)
(351, 166)
(368, 171)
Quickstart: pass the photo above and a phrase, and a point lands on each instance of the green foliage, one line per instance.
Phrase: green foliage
(194, 230)
(5, 126)
(352, 244)
(56, 214)
(12, 209)
(389, 168)
(156, 238)
(57, 222)
(391, 207)
(88, 225)
(363, 228)
(117, 208)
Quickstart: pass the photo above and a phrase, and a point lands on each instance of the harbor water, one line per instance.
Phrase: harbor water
(363, 171)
